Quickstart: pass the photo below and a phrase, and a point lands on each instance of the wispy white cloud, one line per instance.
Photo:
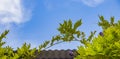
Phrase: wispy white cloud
(12, 11)
(92, 3)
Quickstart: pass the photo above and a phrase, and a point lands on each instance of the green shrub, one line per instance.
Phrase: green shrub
(106, 46)
(23, 52)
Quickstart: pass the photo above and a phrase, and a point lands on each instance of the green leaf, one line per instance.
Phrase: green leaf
(44, 45)
(70, 24)
(77, 24)
(91, 36)
(78, 33)
(112, 20)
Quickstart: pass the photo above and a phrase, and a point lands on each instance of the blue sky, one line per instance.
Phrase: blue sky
(34, 21)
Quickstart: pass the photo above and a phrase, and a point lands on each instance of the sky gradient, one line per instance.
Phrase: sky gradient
(34, 21)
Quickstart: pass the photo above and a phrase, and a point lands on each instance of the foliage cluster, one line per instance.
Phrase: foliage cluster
(24, 52)
(8, 53)
(106, 46)
(67, 33)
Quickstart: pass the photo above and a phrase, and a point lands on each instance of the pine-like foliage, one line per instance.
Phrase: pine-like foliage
(106, 46)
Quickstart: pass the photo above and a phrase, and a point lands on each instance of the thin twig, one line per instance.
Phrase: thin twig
(59, 43)
(53, 44)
